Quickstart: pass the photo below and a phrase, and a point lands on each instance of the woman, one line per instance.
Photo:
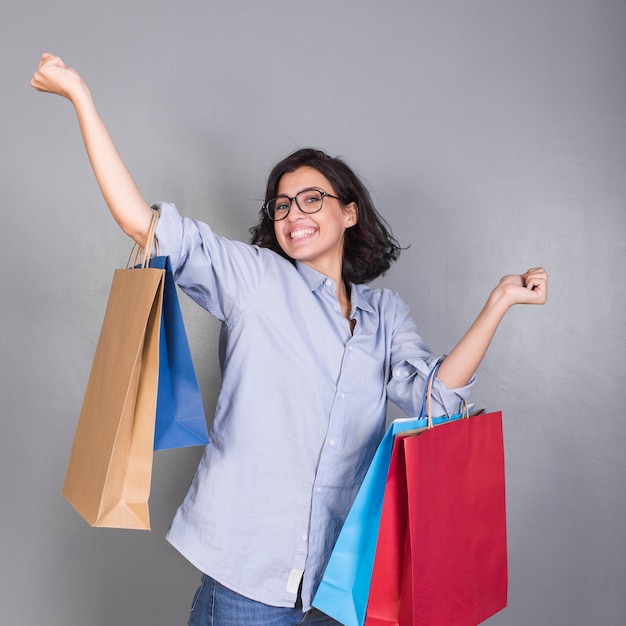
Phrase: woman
(309, 355)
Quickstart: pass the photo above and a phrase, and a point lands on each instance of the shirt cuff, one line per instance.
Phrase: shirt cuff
(169, 231)
(444, 401)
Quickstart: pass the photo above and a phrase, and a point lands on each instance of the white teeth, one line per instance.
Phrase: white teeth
(298, 234)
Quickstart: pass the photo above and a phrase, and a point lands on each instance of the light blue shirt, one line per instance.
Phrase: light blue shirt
(300, 413)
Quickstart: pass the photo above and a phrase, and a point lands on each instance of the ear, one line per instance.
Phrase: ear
(351, 213)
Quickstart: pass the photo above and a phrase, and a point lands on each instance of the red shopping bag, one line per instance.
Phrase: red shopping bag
(441, 555)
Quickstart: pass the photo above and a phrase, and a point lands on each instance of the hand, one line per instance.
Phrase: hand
(464, 359)
(528, 288)
(53, 76)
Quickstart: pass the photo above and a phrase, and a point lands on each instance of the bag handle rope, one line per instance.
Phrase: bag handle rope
(141, 256)
(429, 389)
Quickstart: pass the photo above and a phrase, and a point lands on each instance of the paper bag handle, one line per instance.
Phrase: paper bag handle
(141, 256)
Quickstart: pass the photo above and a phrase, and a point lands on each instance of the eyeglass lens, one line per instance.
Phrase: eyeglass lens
(308, 201)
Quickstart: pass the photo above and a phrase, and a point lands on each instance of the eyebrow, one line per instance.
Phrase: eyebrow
(304, 189)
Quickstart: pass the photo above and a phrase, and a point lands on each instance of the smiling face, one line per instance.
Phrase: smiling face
(314, 238)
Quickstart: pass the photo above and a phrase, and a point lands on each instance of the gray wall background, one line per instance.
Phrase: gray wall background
(493, 136)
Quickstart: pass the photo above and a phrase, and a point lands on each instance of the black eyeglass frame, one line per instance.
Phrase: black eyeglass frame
(324, 194)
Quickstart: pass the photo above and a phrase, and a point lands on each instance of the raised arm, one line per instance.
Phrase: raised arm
(118, 188)
(463, 361)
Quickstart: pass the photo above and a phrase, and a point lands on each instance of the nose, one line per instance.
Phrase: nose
(295, 213)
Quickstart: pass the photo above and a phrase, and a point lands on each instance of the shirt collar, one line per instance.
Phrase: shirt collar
(311, 277)
(314, 279)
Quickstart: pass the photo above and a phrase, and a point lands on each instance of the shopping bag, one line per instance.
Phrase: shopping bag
(142, 361)
(441, 555)
(180, 420)
(344, 589)
(110, 465)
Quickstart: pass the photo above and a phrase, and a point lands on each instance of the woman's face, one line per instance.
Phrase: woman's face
(314, 238)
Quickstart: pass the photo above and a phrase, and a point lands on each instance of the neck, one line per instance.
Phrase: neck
(343, 295)
(342, 288)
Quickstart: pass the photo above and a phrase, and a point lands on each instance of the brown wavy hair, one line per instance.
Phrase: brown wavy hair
(369, 247)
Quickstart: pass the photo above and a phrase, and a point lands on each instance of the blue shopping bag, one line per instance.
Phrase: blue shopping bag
(180, 420)
(344, 589)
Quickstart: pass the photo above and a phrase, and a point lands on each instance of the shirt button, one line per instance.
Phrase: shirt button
(332, 442)
(305, 537)
(318, 490)
(329, 283)
(342, 395)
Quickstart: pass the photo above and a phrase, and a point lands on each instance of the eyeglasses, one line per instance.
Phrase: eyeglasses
(307, 200)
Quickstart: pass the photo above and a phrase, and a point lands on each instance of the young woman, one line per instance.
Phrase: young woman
(309, 355)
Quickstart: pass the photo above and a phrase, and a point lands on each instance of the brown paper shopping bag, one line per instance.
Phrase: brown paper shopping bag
(110, 466)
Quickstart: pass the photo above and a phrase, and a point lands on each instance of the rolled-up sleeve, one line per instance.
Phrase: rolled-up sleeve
(411, 363)
(169, 232)
(221, 275)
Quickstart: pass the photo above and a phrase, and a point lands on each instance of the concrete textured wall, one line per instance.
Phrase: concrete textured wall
(493, 136)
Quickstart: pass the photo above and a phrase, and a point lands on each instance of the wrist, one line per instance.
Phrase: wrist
(500, 299)
(80, 95)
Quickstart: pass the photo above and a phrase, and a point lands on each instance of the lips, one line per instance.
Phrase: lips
(301, 233)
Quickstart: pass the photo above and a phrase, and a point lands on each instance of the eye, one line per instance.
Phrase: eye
(310, 196)
(279, 204)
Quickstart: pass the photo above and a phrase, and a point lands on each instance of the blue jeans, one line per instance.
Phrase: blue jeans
(215, 605)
